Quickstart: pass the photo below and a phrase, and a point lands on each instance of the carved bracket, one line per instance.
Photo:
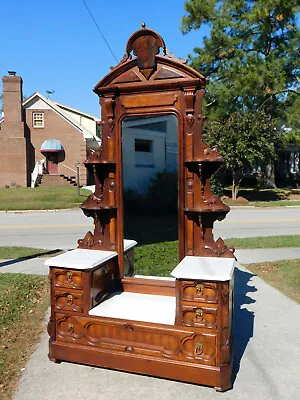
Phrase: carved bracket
(109, 108)
(219, 249)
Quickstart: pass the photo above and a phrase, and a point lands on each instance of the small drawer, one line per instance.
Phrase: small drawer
(68, 301)
(67, 279)
(201, 347)
(199, 315)
(198, 291)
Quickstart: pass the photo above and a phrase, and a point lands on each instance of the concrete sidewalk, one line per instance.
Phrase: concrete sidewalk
(36, 265)
(267, 359)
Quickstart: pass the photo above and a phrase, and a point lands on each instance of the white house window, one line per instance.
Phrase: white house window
(143, 153)
(38, 120)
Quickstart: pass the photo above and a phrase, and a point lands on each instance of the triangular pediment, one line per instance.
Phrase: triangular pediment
(167, 69)
(127, 77)
(167, 73)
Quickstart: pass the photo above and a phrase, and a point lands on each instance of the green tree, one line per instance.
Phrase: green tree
(251, 54)
(245, 140)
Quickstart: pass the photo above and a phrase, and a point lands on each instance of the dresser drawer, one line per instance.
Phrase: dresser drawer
(68, 301)
(199, 315)
(66, 278)
(199, 291)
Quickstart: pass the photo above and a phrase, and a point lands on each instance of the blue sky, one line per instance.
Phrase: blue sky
(55, 45)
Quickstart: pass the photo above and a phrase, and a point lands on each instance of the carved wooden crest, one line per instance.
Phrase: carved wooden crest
(145, 45)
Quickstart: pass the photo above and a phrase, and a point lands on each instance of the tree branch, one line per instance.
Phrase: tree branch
(211, 103)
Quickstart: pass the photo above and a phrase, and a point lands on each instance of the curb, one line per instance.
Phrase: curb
(33, 211)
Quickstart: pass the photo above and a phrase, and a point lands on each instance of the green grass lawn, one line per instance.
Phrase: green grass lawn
(283, 275)
(279, 203)
(264, 242)
(41, 198)
(25, 252)
(24, 300)
(161, 258)
(163, 254)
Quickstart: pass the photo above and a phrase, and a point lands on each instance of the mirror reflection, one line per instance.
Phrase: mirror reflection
(150, 190)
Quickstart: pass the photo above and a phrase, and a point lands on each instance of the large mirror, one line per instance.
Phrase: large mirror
(150, 191)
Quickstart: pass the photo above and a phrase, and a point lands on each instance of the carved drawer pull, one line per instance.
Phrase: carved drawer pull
(71, 328)
(199, 312)
(199, 348)
(69, 276)
(199, 288)
(70, 298)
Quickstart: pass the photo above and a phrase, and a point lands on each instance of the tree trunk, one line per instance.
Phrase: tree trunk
(270, 175)
(235, 187)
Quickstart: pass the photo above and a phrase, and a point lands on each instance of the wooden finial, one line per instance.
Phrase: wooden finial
(143, 25)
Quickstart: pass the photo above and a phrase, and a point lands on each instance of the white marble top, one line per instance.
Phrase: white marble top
(138, 307)
(85, 259)
(205, 268)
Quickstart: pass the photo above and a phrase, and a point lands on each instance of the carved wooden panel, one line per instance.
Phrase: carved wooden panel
(199, 291)
(130, 76)
(200, 347)
(199, 315)
(150, 100)
(168, 73)
(148, 341)
(68, 301)
(225, 336)
(68, 279)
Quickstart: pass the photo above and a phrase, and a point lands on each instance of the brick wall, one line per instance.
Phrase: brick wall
(55, 127)
(13, 143)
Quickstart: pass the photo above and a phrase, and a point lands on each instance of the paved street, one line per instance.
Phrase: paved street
(62, 229)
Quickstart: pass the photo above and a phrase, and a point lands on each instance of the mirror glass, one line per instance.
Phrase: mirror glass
(150, 191)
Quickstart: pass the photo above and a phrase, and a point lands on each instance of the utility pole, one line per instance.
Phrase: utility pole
(77, 178)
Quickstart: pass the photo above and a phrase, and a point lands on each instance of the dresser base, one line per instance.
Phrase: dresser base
(127, 361)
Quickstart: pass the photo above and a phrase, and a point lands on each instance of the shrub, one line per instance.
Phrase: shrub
(134, 203)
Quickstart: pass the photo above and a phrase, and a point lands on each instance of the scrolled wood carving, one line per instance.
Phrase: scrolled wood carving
(109, 107)
(218, 249)
(189, 101)
(87, 241)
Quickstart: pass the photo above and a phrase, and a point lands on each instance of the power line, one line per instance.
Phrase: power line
(103, 37)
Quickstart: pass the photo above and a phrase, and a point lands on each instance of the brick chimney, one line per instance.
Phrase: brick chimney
(13, 125)
(13, 142)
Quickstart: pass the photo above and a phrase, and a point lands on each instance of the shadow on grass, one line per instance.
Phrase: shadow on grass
(243, 322)
(148, 229)
(37, 255)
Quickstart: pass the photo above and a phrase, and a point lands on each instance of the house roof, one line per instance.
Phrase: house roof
(66, 113)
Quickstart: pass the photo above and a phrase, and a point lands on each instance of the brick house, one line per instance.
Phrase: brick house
(40, 131)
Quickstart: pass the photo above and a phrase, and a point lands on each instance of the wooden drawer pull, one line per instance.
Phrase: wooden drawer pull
(71, 328)
(199, 348)
(69, 276)
(199, 289)
(70, 299)
(199, 312)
